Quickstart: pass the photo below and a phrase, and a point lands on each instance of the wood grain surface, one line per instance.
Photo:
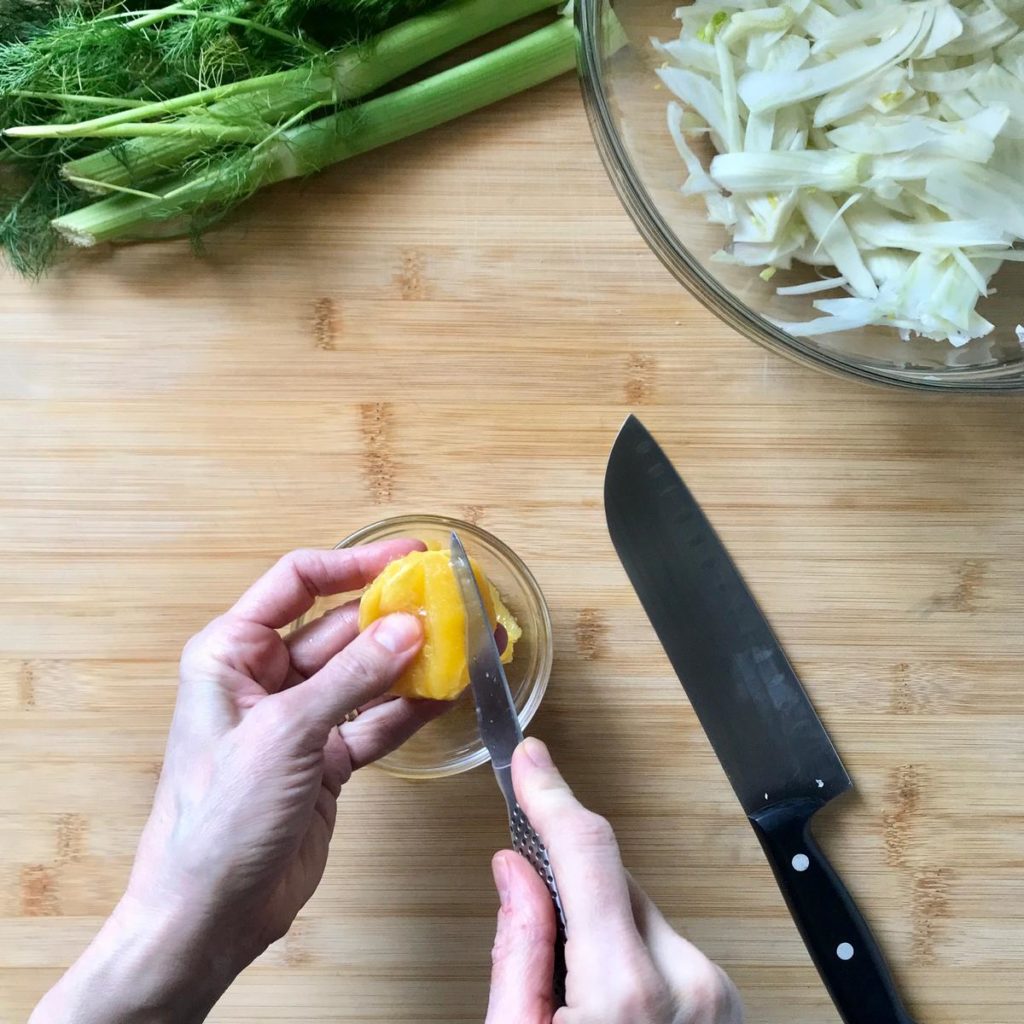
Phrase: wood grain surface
(458, 325)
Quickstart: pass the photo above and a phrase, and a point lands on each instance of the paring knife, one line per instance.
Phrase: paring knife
(501, 734)
(775, 751)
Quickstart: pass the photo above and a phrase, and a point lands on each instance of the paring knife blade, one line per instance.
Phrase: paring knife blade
(501, 734)
(761, 724)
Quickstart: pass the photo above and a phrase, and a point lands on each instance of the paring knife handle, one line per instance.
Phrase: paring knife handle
(525, 841)
(837, 936)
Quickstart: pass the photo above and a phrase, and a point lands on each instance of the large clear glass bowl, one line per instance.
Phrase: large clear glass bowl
(626, 105)
(451, 744)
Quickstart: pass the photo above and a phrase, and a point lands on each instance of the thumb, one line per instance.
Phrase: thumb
(363, 670)
(523, 958)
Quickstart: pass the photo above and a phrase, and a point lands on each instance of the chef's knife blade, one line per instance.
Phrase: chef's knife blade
(501, 733)
(773, 747)
(749, 701)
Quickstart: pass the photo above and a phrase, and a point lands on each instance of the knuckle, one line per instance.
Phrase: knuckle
(221, 634)
(207, 645)
(193, 648)
(229, 633)
(590, 830)
(226, 641)
(279, 731)
(642, 997)
(517, 934)
(504, 946)
(363, 663)
(707, 992)
(303, 564)
(293, 726)
(295, 558)
(274, 931)
(275, 721)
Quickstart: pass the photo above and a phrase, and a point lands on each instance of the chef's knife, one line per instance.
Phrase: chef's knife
(775, 751)
(501, 734)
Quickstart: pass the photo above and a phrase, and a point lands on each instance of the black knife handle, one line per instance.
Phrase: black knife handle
(837, 936)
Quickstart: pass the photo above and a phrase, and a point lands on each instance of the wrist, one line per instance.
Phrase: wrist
(145, 966)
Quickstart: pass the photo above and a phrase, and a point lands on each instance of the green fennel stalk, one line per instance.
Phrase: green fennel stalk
(176, 115)
(65, 60)
(307, 148)
(347, 74)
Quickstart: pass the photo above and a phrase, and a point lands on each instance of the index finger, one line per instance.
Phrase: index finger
(288, 589)
(584, 856)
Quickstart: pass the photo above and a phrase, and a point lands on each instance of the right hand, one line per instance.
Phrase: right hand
(626, 965)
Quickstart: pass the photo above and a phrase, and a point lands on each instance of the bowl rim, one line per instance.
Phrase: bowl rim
(546, 649)
(690, 272)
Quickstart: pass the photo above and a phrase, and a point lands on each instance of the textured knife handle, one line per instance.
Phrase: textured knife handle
(526, 842)
(837, 936)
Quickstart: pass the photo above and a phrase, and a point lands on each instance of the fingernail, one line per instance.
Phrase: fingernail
(502, 878)
(398, 632)
(537, 752)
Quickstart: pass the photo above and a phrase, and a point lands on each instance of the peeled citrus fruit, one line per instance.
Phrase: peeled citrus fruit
(423, 584)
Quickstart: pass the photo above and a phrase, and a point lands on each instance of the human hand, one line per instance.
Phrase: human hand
(626, 964)
(245, 808)
(256, 758)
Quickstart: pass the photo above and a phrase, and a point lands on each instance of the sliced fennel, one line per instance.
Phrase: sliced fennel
(880, 140)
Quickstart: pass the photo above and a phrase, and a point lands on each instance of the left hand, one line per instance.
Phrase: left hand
(245, 808)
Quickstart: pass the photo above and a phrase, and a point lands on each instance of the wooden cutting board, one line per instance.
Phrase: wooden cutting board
(458, 325)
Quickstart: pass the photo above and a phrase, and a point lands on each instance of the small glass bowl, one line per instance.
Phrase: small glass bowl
(451, 744)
